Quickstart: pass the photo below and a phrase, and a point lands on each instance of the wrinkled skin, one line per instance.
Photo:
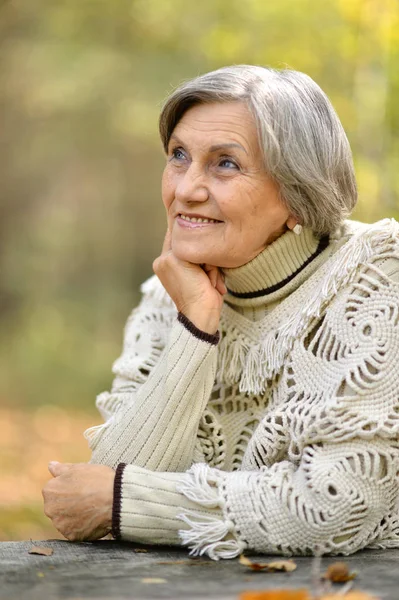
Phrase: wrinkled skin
(79, 499)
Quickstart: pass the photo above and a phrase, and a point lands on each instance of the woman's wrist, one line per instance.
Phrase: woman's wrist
(211, 338)
(206, 321)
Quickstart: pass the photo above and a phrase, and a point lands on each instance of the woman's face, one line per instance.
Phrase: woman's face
(223, 209)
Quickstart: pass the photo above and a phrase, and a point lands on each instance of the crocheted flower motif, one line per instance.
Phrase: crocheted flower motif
(145, 339)
(348, 359)
(242, 442)
(212, 440)
(143, 347)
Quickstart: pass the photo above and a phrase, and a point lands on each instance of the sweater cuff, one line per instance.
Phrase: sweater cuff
(150, 507)
(198, 333)
(117, 502)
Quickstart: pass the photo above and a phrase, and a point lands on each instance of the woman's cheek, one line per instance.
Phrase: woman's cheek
(167, 190)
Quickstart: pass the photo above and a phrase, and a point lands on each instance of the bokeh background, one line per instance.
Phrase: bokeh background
(81, 85)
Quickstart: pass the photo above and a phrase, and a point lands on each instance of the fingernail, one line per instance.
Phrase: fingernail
(53, 462)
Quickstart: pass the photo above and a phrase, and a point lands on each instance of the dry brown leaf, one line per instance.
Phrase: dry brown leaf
(282, 565)
(277, 565)
(338, 572)
(153, 580)
(140, 550)
(41, 550)
(349, 596)
(301, 594)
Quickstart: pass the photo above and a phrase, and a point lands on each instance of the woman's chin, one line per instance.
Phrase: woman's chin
(196, 258)
(202, 256)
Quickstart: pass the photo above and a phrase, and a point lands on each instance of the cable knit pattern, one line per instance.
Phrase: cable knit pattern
(288, 428)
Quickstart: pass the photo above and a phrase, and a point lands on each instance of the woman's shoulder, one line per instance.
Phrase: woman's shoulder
(361, 245)
(154, 294)
(155, 305)
(154, 314)
(378, 234)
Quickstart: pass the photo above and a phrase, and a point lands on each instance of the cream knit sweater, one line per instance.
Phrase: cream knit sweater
(282, 437)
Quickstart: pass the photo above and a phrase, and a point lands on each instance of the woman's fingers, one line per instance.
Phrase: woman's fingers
(220, 284)
(212, 273)
(216, 278)
(56, 468)
(195, 289)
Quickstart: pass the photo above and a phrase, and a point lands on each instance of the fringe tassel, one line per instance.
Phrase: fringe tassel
(232, 357)
(206, 536)
(94, 433)
(206, 533)
(253, 365)
(108, 404)
(200, 486)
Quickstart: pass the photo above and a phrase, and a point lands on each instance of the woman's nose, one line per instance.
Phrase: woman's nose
(192, 186)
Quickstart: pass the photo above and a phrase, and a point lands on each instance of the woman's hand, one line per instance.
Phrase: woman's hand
(79, 500)
(197, 291)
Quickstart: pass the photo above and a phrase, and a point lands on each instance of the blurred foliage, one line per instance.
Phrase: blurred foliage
(81, 85)
(29, 440)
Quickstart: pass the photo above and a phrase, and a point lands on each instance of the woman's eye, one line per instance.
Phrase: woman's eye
(228, 163)
(178, 154)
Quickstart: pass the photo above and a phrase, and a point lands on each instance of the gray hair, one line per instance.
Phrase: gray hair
(304, 146)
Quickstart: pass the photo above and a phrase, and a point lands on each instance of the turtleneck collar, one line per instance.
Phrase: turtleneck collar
(276, 266)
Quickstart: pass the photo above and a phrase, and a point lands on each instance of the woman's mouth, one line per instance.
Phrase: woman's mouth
(195, 222)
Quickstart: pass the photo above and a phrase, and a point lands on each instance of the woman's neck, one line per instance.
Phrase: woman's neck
(276, 271)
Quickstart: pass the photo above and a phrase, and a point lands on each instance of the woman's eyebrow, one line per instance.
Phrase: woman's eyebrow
(175, 138)
(227, 145)
(215, 147)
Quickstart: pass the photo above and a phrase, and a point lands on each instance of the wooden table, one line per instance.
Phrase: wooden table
(107, 569)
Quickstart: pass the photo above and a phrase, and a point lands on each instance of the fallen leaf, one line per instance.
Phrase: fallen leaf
(338, 572)
(301, 594)
(153, 580)
(277, 565)
(41, 550)
(140, 550)
(40, 574)
(282, 565)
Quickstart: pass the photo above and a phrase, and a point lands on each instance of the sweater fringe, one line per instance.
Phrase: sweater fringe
(201, 486)
(206, 534)
(252, 366)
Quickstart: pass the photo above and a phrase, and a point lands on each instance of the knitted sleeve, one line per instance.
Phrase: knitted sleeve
(163, 380)
(339, 499)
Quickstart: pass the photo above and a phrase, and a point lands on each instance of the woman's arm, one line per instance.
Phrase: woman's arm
(155, 424)
(340, 498)
(163, 381)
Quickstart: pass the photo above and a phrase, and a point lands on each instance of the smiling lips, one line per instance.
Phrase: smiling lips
(195, 221)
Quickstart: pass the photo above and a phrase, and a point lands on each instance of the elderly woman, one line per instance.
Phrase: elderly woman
(255, 404)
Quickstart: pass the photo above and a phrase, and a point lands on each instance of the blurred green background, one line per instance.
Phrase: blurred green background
(81, 85)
